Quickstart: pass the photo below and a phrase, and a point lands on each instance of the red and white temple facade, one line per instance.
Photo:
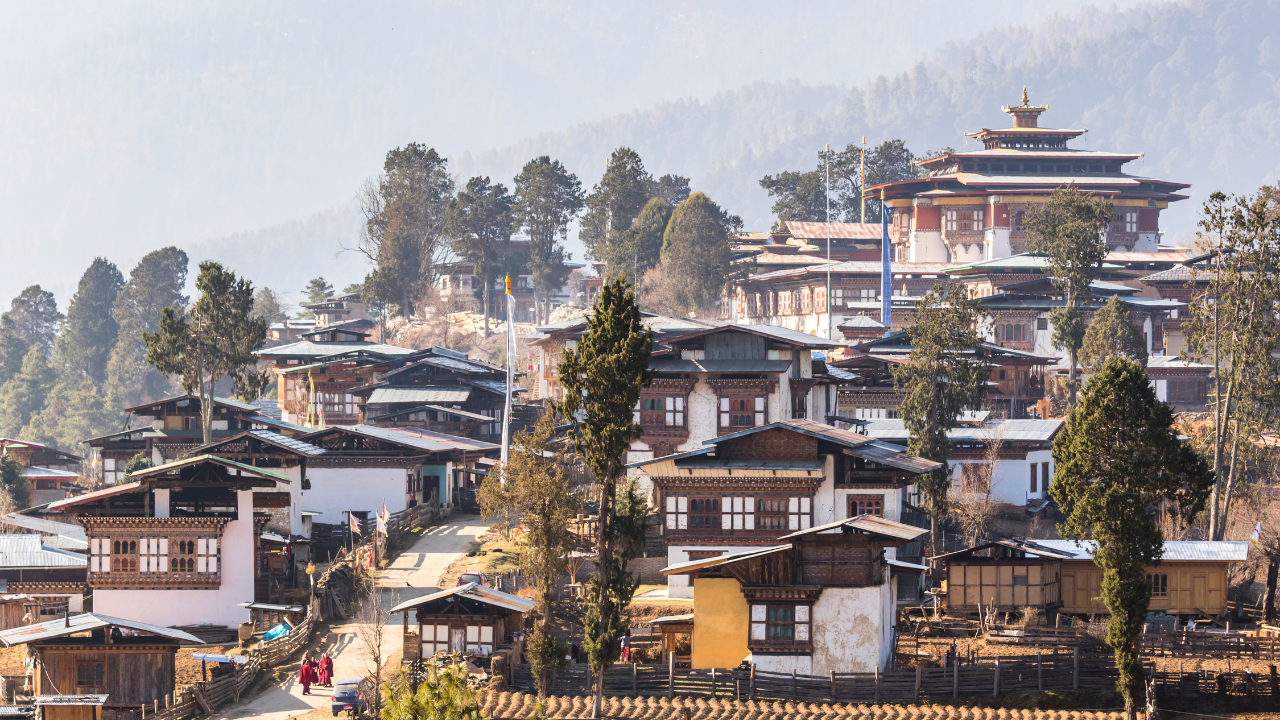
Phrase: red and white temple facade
(968, 206)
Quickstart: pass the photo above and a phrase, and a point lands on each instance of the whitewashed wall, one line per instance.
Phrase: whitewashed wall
(334, 491)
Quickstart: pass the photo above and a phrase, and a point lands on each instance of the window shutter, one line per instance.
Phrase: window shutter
(726, 522)
(93, 561)
(200, 547)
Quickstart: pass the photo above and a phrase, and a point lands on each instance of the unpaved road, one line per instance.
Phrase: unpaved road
(414, 573)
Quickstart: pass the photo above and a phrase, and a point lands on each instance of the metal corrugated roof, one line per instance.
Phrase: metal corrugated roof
(43, 473)
(1037, 548)
(243, 468)
(1178, 274)
(836, 231)
(893, 456)
(691, 565)
(869, 524)
(1174, 550)
(473, 591)
(1019, 430)
(455, 364)
(290, 443)
(84, 623)
(96, 495)
(437, 408)
(415, 438)
(307, 348)
(696, 366)
(28, 551)
(495, 386)
(47, 527)
(419, 395)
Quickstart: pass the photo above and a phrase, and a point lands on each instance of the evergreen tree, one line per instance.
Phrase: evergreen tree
(32, 319)
(602, 378)
(23, 395)
(91, 328)
(1112, 333)
(800, 197)
(696, 255)
(942, 378)
(615, 202)
(216, 339)
(1068, 230)
(538, 491)
(156, 282)
(404, 210)
(639, 248)
(548, 198)
(268, 305)
(317, 290)
(1119, 462)
(671, 189)
(13, 484)
(480, 222)
(73, 410)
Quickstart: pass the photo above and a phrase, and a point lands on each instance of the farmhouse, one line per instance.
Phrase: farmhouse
(37, 582)
(821, 601)
(1007, 574)
(463, 619)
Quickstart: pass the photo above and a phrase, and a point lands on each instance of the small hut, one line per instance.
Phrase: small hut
(1009, 574)
(70, 707)
(677, 637)
(130, 663)
(467, 618)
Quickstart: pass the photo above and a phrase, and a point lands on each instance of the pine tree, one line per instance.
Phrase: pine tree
(156, 282)
(1112, 333)
(615, 202)
(23, 395)
(12, 483)
(1068, 230)
(942, 378)
(32, 319)
(73, 410)
(91, 329)
(479, 222)
(548, 198)
(639, 248)
(1118, 460)
(602, 378)
(216, 339)
(695, 256)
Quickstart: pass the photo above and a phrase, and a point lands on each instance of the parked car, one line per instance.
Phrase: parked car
(473, 577)
(349, 695)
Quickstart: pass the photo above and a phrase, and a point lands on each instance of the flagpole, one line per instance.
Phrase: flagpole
(506, 411)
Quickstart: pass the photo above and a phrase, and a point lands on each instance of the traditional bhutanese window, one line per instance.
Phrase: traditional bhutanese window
(784, 513)
(480, 637)
(704, 513)
(124, 555)
(737, 513)
(435, 638)
(184, 559)
(153, 555)
(805, 302)
(89, 673)
(677, 513)
(207, 555)
(1159, 583)
(738, 412)
(100, 555)
(780, 625)
(866, 505)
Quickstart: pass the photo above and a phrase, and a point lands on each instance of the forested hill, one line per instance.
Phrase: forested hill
(1195, 86)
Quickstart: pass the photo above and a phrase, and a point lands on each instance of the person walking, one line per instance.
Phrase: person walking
(306, 675)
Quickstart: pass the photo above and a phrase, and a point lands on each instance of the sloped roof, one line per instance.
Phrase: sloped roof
(85, 622)
(307, 348)
(1037, 548)
(243, 469)
(1024, 430)
(227, 402)
(410, 437)
(691, 565)
(28, 551)
(773, 332)
(472, 591)
(836, 231)
(1174, 550)
(414, 394)
(869, 524)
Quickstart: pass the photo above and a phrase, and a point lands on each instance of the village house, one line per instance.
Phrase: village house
(463, 619)
(179, 543)
(38, 582)
(100, 661)
(168, 428)
(813, 602)
(364, 466)
(1191, 579)
(749, 487)
(51, 472)
(339, 310)
(869, 392)
(315, 375)
(442, 391)
(460, 287)
(1008, 575)
(795, 244)
(1025, 470)
(968, 206)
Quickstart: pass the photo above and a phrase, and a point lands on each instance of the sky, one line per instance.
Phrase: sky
(134, 125)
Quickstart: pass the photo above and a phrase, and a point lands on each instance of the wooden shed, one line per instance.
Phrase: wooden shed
(464, 619)
(1009, 574)
(1191, 579)
(70, 707)
(131, 663)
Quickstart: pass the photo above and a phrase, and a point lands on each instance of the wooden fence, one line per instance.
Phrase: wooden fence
(1201, 644)
(1050, 671)
(205, 697)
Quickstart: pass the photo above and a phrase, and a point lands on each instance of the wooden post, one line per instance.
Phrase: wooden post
(671, 674)
(1039, 672)
(633, 680)
(877, 683)
(955, 681)
(1075, 668)
(917, 683)
(832, 675)
(752, 689)
(794, 691)
(995, 690)
(713, 683)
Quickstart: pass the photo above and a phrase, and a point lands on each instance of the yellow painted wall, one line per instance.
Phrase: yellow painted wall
(1193, 587)
(720, 620)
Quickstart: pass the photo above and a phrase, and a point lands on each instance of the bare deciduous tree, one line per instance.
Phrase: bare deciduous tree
(370, 636)
(974, 506)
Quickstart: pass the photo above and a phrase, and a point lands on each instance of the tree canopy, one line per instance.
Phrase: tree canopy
(155, 283)
(802, 195)
(1112, 333)
(479, 222)
(548, 198)
(1118, 462)
(695, 257)
(91, 328)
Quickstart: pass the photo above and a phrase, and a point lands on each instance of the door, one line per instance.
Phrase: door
(458, 640)
(1068, 592)
(1199, 588)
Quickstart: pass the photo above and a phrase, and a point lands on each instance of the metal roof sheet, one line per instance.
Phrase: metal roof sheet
(228, 402)
(1173, 361)
(869, 524)
(913, 567)
(437, 408)
(41, 525)
(473, 591)
(893, 456)
(455, 364)
(84, 623)
(43, 473)
(200, 459)
(495, 386)
(419, 395)
(1023, 430)
(71, 700)
(415, 438)
(687, 617)
(287, 442)
(805, 427)
(774, 332)
(1177, 274)
(96, 495)
(28, 551)
(307, 348)
(697, 366)
(691, 565)
(836, 231)
(1174, 550)
(1038, 548)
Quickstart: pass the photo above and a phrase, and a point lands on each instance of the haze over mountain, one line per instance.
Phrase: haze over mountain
(254, 124)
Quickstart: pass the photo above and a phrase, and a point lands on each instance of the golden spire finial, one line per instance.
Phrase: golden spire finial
(1025, 101)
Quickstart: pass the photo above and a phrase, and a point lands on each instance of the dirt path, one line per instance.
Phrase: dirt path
(414, 573)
